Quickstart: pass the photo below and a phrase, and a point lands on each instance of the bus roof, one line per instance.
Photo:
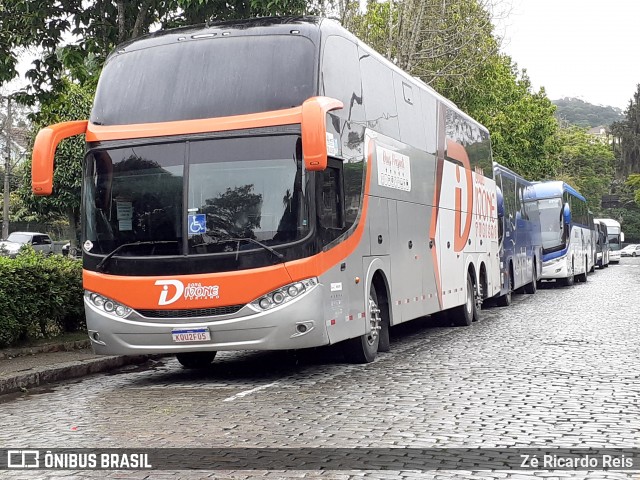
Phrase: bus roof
(555, 188)
(305, 26)
(609, 222)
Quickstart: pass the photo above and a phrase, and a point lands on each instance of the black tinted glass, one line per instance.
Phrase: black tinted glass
(134, 195)
(205, 79)
(246, 188)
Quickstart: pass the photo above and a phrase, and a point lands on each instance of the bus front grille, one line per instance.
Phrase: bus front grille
(190, 313)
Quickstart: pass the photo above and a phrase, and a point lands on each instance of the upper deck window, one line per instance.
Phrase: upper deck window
(205, 78)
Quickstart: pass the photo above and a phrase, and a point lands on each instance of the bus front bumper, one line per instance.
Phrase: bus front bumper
(275, 329)
(554, 269)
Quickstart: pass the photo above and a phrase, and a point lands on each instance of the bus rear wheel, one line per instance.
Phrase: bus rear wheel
(363, 349)
(195, 360)
(462, 316)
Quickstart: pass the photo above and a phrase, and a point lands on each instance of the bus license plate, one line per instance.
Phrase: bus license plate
(186, 335)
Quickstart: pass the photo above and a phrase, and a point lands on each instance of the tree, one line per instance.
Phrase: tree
(73, 103)
(521, 122)
(99, 26)
(451, 46)
(626, 135)
(587, 164)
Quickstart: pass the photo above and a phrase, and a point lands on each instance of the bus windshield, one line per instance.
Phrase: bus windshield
(614, 240)
(551, 228)
(240, 188)
(205, 78)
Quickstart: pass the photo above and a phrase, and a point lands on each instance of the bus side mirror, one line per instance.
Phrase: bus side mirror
(566, 214)
(314, 131)
(44, 150)
(500, 202)
(621, 237)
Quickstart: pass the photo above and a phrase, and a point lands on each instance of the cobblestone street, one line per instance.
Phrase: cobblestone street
(555, 369)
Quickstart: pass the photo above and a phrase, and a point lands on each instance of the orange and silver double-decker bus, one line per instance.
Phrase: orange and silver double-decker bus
(274, 184)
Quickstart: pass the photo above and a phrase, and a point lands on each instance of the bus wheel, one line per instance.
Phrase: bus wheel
(195, 359)
(583, 276)
(363, 349)
(505, 300)
(567, 282)
(462, 316)
(532, 287)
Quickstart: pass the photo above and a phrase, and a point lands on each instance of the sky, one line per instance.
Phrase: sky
(587, 49)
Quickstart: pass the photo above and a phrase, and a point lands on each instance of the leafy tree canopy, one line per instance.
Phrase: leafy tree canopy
(584, 114)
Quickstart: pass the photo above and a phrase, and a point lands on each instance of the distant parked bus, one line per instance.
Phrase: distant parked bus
(565, 231)
(615, 235)
(274, 184)
(518, 234)
(602, 244)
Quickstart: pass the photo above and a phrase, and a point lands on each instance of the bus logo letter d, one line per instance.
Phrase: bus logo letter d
(165, 291)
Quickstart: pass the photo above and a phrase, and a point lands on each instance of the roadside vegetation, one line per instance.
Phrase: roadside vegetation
(40, 297)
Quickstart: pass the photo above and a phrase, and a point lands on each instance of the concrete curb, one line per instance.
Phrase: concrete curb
(65, 371)
(45, 348)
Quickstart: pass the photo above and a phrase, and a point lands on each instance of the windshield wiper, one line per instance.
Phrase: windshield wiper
(221, 238)
(103, 262)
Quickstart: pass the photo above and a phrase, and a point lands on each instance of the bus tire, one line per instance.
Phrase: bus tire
(195, 360)
(531, 288)
(582, 277)
(363, 349)
(462, 316)
(568, 281)
(505, 300)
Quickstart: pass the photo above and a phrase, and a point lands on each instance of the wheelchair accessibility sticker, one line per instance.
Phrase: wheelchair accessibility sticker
(197, 224)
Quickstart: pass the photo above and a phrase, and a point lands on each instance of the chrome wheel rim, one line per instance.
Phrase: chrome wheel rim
(375, 322)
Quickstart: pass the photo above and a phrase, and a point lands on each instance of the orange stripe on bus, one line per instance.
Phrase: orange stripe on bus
(98, 133)
(235, 288)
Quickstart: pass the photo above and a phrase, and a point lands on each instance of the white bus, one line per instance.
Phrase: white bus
(566, 232)
(274, 184)
(615, 236)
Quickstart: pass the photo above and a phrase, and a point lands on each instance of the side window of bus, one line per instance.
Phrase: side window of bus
(341, 77)
(379, 101)
(409, 112)
(331, 203)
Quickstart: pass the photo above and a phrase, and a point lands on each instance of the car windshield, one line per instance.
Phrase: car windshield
(551, 226)
(19, 238)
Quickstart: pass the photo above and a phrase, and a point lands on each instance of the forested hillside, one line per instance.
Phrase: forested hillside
(584, 114)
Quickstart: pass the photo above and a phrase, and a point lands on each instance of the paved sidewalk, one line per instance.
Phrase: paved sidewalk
(25, 368)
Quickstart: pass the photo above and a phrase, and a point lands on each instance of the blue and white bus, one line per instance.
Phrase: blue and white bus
(518, 234)
(565, 231)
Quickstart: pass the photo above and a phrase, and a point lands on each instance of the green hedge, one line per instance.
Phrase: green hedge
(40, 297)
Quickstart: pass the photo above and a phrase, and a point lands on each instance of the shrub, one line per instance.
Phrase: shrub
(39, 297)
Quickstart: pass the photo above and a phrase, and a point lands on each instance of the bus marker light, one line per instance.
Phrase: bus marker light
(265, 303)
(357, 280)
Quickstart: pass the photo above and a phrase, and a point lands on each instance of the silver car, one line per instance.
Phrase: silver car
(41, 242)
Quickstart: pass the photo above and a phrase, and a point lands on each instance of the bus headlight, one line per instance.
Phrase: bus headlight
(106, 304)
(284, 294)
